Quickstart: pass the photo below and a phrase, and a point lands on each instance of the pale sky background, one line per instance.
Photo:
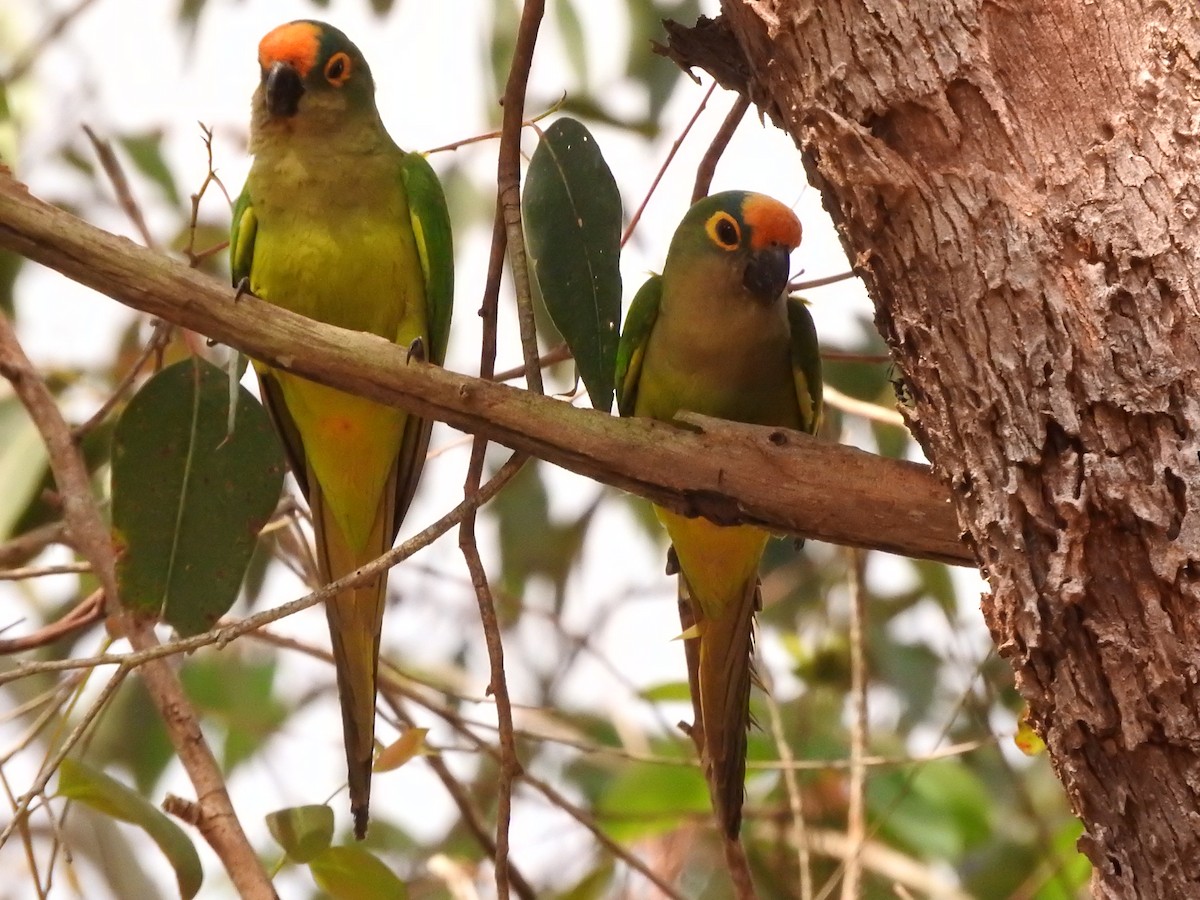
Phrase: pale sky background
(122, 67)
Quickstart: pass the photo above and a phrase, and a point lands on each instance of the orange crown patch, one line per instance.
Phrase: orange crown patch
(770, 222)
(296, 43)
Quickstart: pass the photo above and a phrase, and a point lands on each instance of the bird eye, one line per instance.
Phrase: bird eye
(337, 70)
(724, 231)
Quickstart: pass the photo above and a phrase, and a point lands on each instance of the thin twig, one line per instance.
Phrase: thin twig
(708, 163)
(387, 681)
(558, 354)
(27, 572)
(493, 135)
(820, 282)
(510, 765)
(797, 824)
(508, 183)
(159, 338)
(24, 547)
(50, 766)
(220, 825)
(637, 214)
(84, 614)
(225, 633)
(210, 178)
(458, 793)
(872, 411)
(116, 175)
(856, 825)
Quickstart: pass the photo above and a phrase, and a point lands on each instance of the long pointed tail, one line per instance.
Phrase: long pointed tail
(724, 658)
(355, 620)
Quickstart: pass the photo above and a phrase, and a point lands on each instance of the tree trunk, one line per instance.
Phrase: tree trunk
(1016, 182)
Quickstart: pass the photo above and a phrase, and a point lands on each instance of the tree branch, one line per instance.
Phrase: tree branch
(779, 479)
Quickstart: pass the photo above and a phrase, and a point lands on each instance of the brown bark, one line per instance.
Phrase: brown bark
(1016, 182)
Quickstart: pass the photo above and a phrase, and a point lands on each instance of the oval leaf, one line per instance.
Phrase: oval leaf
(79, 781)
(188, 498)
(23, 462)
(351, 873)
(302, 831)
(572, 213)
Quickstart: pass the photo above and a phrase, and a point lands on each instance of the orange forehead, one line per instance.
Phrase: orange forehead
(770, 222)
(296, 43)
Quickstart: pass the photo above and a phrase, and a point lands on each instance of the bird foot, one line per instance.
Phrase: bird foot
(416, 350)
(243, 289)
(672, 561)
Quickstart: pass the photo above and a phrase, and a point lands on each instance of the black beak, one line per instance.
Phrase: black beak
(767, 272)
(283, 89)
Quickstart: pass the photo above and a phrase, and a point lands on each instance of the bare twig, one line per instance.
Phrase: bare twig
(797, 825)
(159, 338)
(508, 183)
(820, 282)
(116, 175)
(210, 178)
(462, 799)
(493, 135)
(388, 681)
(708, 164)
(87, 612)
(220, 825)
(637, 215)
(27, 572)
(558, 354)
(856, 826)
(223, 634)
(24, 547)
(872, 411)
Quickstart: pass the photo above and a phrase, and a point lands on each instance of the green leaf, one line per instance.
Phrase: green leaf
(570, 29)
(302, 831)
(351, 873)
(145, 150)
(572, 212)
(239, 694)
(648, 799)
(79, 781)
(188, 499)
(23, 462)
(667, 692)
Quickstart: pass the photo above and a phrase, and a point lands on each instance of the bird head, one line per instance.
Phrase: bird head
(312, 75)
(748, 236)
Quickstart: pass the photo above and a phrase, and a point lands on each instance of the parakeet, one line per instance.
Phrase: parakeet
(716, 334)
(339, 224)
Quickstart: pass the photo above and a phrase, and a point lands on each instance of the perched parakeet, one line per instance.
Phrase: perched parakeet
(715, 334)
(339, 224)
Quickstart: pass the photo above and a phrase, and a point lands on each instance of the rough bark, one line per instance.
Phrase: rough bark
(1016, 182)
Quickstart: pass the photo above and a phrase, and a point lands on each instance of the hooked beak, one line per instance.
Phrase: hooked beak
(283, 89)
(767, 272)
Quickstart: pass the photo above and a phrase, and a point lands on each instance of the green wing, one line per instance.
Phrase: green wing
(241, 259)
(431, 226)
(631, 350)
(241, 238)
(806, 364)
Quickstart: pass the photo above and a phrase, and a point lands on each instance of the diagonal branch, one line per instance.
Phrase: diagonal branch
(782, 480)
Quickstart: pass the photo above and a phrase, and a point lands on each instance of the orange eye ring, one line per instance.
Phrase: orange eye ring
(337, 69)
(724, 230)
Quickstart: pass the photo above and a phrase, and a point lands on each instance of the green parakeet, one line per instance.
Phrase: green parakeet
(339, 224)
(715, 334)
